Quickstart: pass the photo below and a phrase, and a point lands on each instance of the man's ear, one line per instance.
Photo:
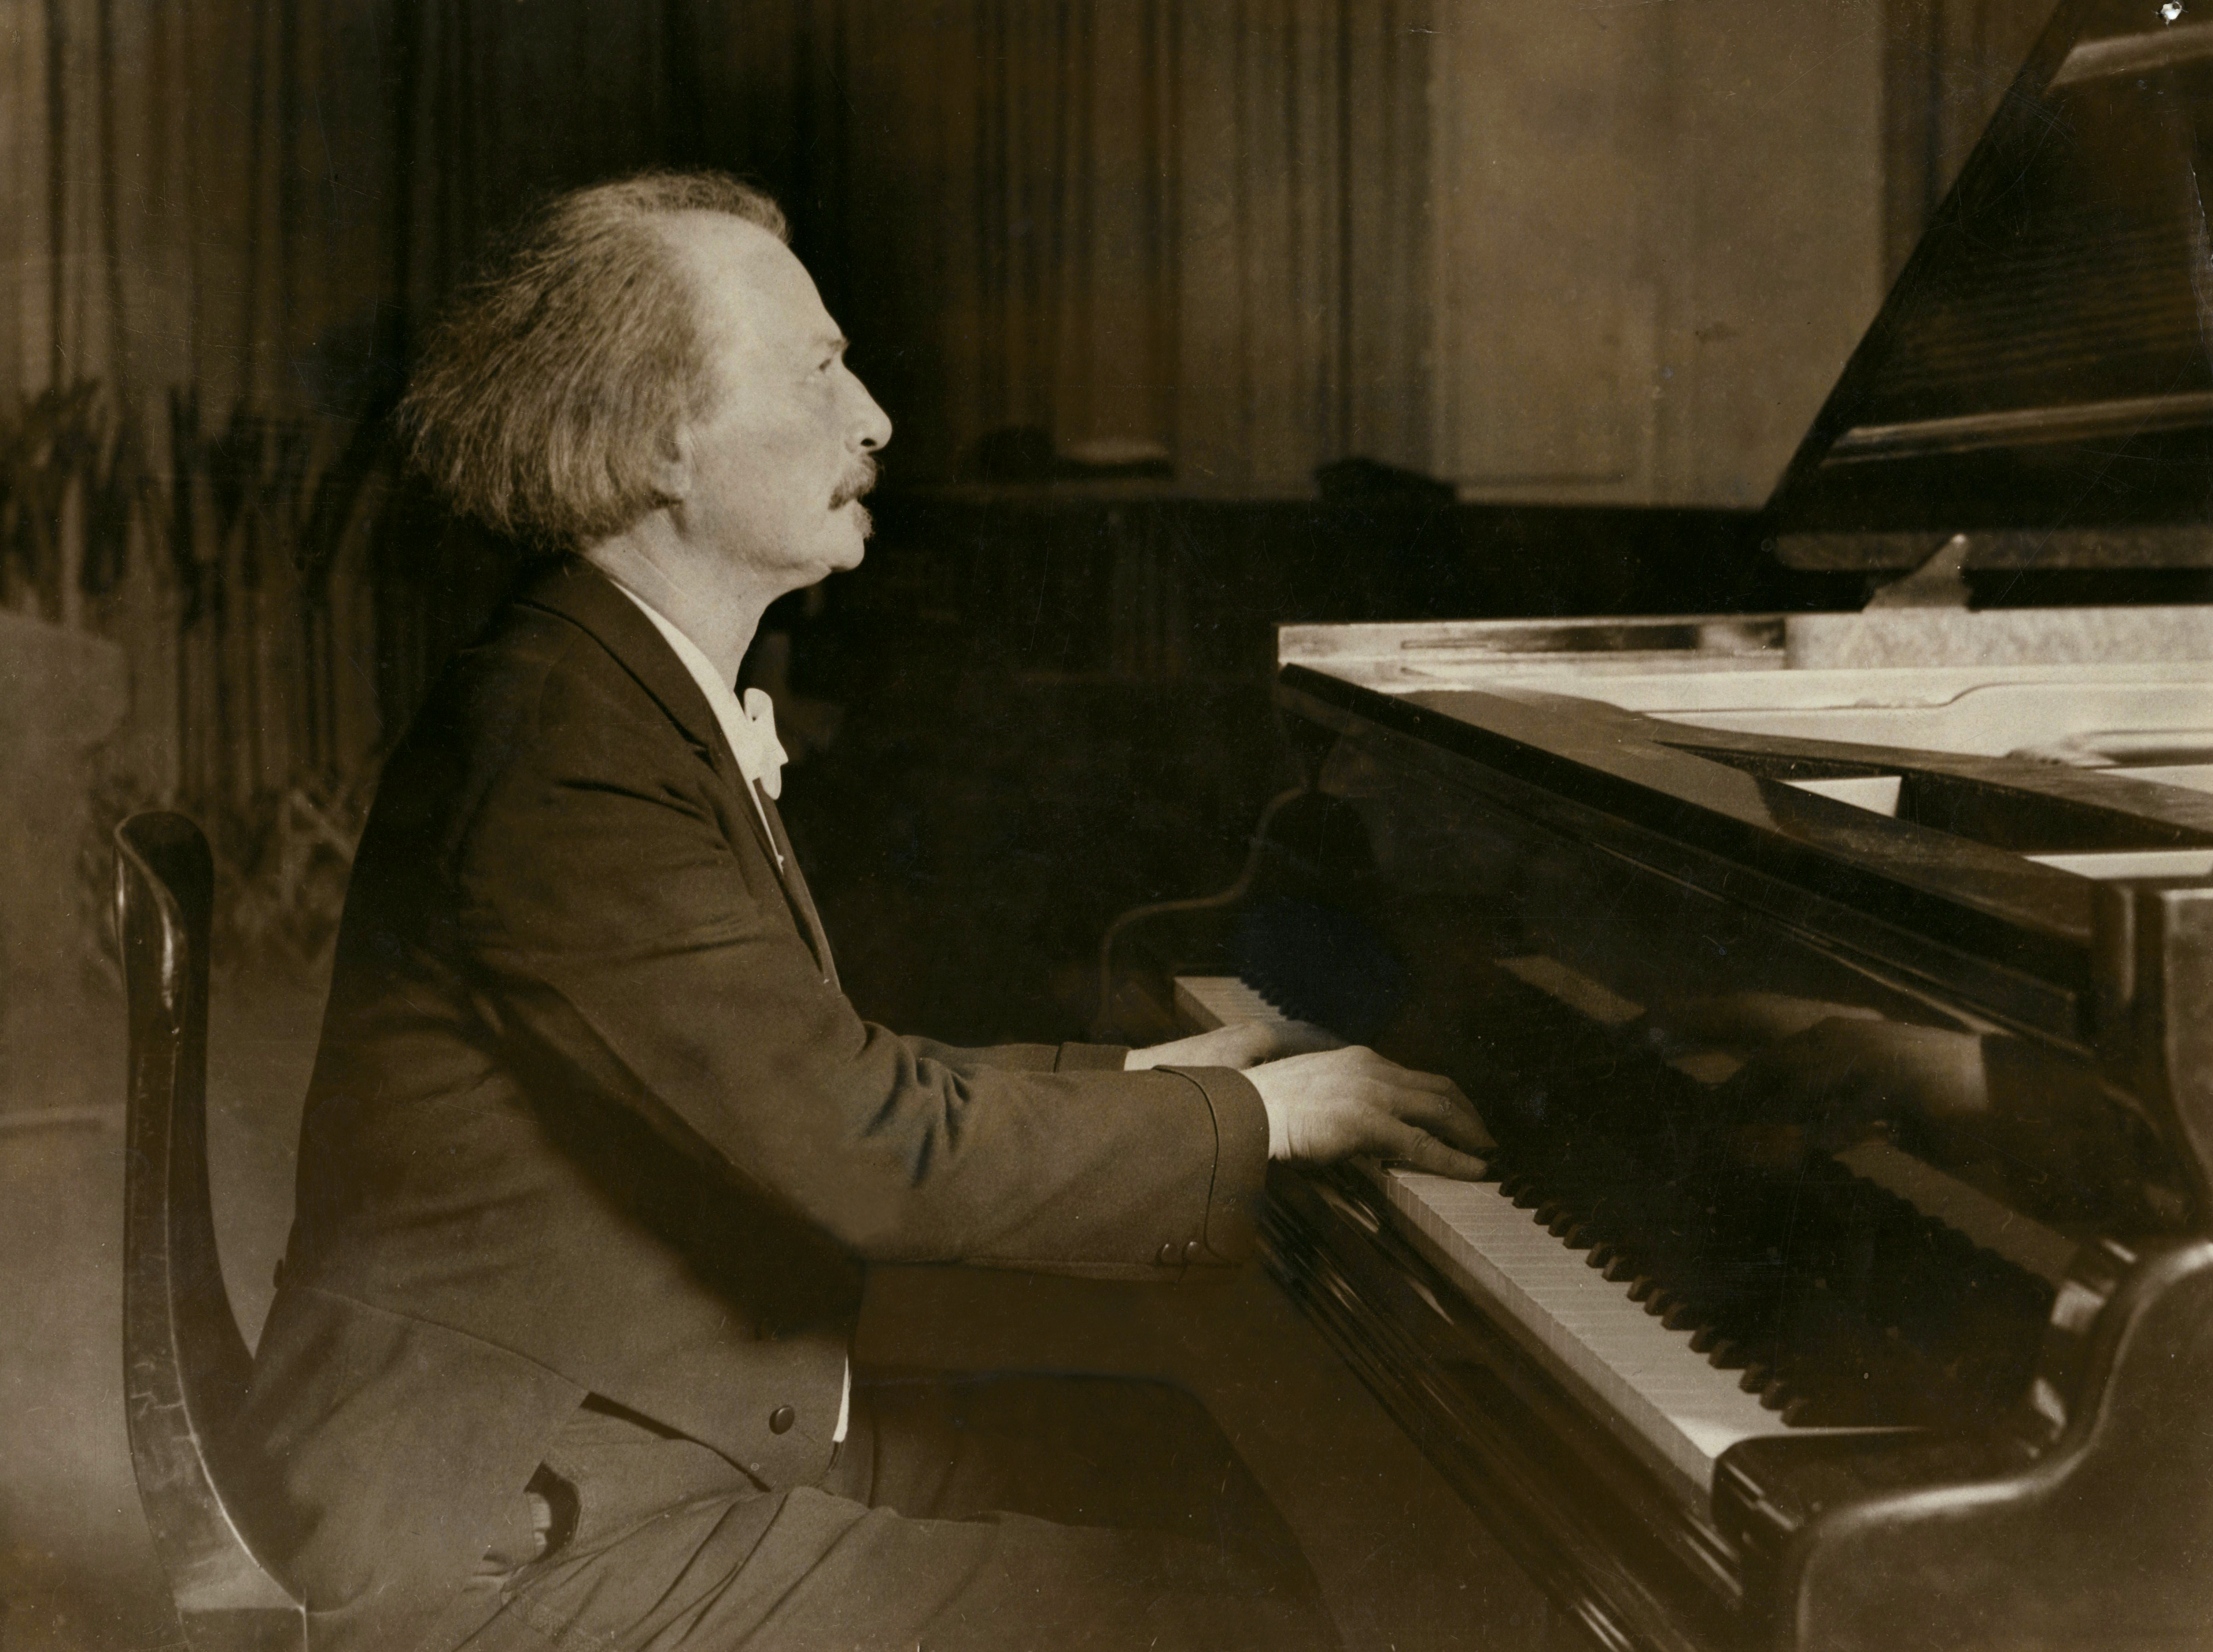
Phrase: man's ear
(676, 468)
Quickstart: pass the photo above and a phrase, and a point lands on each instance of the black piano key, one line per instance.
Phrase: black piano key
(1611, 1145)
(1732, 1258)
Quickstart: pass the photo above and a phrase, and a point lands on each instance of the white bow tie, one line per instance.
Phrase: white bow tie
(765, 763)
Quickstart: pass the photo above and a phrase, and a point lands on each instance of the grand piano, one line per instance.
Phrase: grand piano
(1838, 987)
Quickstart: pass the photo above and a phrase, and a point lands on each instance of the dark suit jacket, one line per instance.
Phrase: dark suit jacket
(592, 1116)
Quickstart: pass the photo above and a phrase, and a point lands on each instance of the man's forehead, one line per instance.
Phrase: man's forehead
(749, 283)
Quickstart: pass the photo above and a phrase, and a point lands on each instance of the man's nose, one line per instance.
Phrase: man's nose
(871, 426)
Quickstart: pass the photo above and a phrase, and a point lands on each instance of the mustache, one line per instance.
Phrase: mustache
(855, 482)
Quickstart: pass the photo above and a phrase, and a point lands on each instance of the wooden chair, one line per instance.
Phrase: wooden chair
(184, 1364)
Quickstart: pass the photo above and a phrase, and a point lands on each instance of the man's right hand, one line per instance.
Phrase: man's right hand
(1325, 1106)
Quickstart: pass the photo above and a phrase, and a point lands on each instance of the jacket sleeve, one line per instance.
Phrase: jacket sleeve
(614, 911)
(1023, 1058)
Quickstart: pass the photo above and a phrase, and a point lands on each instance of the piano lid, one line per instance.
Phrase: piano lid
(2041, 376)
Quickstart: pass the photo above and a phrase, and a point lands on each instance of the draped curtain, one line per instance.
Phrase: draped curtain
(193, 313)
(1192, 225)
(225, 219)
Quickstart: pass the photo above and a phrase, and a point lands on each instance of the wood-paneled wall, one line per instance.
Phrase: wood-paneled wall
(1658, 230)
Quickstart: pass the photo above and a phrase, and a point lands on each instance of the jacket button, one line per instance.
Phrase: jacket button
(781, 1419)
(1191, 1251)
(1170, 1255)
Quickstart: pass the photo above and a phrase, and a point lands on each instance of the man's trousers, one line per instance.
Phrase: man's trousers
(961, 1514)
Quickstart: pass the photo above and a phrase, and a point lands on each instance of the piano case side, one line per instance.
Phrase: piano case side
(2103, 1540)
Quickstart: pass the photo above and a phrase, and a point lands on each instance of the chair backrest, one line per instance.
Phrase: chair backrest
(184, 1365)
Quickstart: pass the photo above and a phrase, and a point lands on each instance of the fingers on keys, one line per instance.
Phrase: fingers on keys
(1444, 1121)
(1411, 1145)
(1439, 1107)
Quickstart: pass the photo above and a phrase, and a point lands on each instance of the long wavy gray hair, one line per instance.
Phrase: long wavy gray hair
(555, 381)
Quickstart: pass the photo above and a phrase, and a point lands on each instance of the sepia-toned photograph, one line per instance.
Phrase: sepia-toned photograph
(1106, 825)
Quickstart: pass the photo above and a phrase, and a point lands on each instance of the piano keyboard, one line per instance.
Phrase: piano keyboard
(1661, 1392)
(1669, 1402)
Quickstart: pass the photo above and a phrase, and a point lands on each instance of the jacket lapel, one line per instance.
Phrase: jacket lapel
(580, 592)
(803, 899)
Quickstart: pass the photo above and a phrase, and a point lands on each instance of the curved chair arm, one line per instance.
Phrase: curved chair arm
(185, 1366)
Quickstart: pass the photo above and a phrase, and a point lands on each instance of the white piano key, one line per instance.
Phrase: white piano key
(1210, 1001)
(1667, 1401)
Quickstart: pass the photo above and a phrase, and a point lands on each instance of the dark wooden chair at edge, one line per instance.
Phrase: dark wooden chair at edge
(184, 1363)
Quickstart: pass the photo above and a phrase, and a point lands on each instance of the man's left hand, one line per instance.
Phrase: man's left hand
(1245, 1043)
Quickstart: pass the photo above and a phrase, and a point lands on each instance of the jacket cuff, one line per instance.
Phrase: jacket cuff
(1079, 1057)
(1240, 1162)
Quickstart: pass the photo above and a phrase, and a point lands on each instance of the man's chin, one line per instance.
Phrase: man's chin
(860, 524)
(856, 524)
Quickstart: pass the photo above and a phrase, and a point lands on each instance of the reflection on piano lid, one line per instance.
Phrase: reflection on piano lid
(1677, 1408)
(1665, 1381)
(1944, 1198)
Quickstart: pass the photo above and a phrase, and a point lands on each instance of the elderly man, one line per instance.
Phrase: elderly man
(595, 1149)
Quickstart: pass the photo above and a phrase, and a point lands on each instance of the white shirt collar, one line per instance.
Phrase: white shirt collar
(750, 728)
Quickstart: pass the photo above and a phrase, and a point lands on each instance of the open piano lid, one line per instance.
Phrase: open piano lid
(2040, 378)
